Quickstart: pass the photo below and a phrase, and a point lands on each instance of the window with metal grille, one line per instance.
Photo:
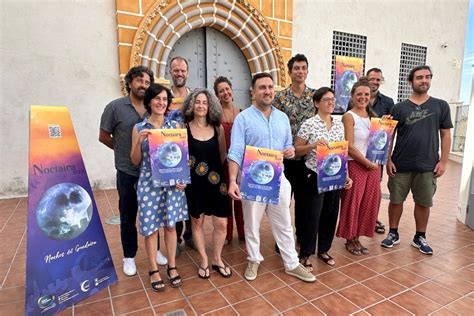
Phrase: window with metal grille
(410, 57)
(347, 44)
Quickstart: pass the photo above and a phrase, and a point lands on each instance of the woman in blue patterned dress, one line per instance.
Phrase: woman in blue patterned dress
(157, 206)
(207, 193)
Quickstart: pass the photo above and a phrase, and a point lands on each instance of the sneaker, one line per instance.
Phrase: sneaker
(392, 239)
(129, 267)
(301, 273)
(251, 271)
(161, 259)
(422, 245)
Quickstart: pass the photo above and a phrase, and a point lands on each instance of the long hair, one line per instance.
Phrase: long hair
(362, 82)
(214, 110)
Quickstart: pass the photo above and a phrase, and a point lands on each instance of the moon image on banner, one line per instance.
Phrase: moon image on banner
(343, 89)
(261, 172)
(380, 139)
(64, 211)
(332, 164)
(169, 155)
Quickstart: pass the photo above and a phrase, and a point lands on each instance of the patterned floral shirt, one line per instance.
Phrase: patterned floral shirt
(298, 109)
(314, 129)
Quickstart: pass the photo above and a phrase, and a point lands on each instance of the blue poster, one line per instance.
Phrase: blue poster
(67, 256)
(332, 166)
(261, 175)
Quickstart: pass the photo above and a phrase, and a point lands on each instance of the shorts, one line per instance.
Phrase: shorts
(422, 185)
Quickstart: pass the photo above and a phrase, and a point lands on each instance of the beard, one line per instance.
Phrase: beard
(179, 82)
(421, 89)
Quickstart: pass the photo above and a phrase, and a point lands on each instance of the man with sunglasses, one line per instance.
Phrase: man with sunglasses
(424, 122)
(382, 105)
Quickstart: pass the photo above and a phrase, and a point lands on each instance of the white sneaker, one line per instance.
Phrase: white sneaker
(129, 267)
(161, 259)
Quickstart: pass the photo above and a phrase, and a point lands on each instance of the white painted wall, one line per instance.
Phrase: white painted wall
(387, 24)
(56, 53)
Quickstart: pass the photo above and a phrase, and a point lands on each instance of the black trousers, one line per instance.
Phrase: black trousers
(328, 220)
(188, 233)
(128, 208)
(309, 212)
(294, 170)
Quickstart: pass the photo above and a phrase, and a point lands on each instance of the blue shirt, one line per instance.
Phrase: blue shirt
(251, 127)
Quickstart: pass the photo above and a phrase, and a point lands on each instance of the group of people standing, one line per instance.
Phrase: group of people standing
(294, 121)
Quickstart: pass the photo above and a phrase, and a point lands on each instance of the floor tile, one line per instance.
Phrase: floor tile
(168, 295)
(303, 310)
(357, 272)
(128, 285)
(387, 308)
(384, 286)
(361, 295)
(463, 306)
(196, 285)
(456, 284)
(237, 292)
(255, 306)
(437, 293)
(404, 277)
(335, 304)
(173, 307)
(226, 311)
(267, 282)
(207, 302)
(12, 294)
(415, 303)
(103, 307)
(311, 291)
(335, 280)
(130, 302)
(284, 298)
(378, 264)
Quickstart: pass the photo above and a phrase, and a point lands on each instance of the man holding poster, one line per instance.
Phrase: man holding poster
(116, 126)
(415, 163)
(262, 125)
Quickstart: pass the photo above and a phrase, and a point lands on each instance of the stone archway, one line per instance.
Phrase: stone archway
(167, 21)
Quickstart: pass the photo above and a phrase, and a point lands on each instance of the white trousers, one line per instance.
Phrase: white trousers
(280, 221)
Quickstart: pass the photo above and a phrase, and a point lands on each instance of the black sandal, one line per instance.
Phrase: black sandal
(218, 268)
(379, 227)
(305, 262)
(327, 259)
(206, 274)
(157, 286)
(175, 281)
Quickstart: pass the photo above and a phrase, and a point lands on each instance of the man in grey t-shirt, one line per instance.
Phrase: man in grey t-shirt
(415, 163)
(116, 125)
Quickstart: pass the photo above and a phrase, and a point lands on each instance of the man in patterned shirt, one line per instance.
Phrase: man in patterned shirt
(296, 102)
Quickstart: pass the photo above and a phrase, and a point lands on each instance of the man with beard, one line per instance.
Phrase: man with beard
(262, 125)
(382, 105)
(415, 163)
(116, 125)
(179, 75)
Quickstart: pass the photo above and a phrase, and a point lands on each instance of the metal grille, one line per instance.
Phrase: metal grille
(460, 127)
(410, 57)
(347, 44)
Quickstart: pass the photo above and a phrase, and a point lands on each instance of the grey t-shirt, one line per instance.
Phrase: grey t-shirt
(118, 119)
(417, 145)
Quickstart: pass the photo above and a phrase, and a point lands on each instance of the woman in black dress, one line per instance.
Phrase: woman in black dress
(207, 193)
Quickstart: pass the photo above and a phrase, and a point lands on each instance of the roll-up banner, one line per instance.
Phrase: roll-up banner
(67, 256)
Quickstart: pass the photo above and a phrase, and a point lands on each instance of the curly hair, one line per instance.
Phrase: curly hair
(214, 110)
(220, 80)
(137, 71)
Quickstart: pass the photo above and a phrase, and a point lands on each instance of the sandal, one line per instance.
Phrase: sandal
(157, 286)
(352, 248)
(224, 268)
(306, 263)
(175, 281)
(379, 227)
(327, 259)
(206, 274)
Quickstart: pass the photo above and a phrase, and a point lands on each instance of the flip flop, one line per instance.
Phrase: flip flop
(218, 268)
(206, 274)
(327, 259)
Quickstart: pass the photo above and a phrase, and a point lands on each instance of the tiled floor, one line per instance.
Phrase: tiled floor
(401, 281)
